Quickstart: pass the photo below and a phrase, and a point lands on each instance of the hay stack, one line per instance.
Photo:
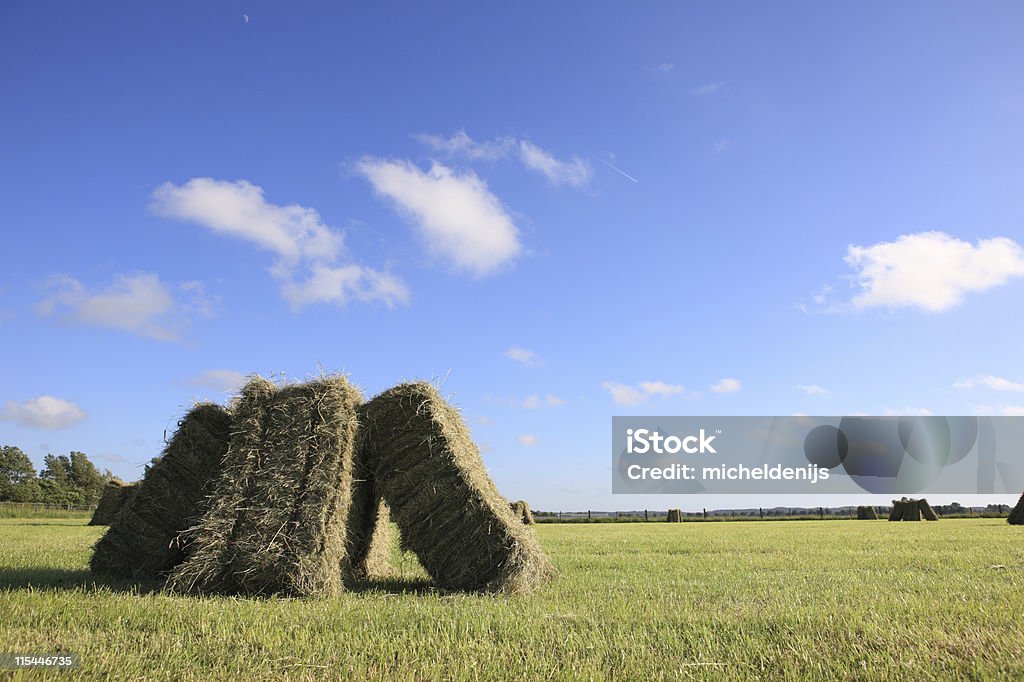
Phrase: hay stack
(142, 539)
(521, 510)
(1016, 517)
(926, 510)
(866, 513)
(675, 516)
(115, 493)
(277, 519)
(911, 512)
(446, 506)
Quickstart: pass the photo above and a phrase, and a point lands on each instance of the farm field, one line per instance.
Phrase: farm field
(775, 600)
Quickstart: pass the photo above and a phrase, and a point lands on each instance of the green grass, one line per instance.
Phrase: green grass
(858, 600)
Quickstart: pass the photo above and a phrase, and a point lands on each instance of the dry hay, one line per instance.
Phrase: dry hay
(447, 508)
(115, 494)
(926, 510)
(866, 513)
(897, 510)
(277, 519)
(1016, 517)
(675, 516)
(521, 510)
(142, 541)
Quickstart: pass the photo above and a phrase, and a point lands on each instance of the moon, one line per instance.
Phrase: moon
(245, 18)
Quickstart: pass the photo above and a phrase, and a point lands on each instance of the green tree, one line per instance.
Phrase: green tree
(86, 478)
(17, 475)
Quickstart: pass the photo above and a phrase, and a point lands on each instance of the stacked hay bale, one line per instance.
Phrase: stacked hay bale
(446, 506)
(1016, 517)
(866, 513)
(521, 509)
(926, 510)
(115, 494)
(142, 541)
(897, 511)
(675, 516)
(277, 519)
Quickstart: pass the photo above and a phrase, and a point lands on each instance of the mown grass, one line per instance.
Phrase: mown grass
(765, 600)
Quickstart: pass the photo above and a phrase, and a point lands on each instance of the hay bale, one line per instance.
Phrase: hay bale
(911, 512)
(897, 510)
(521, 510)
(277, 518)
(371, 552)
(866, 513)
(115, 494)
(1016, 517)
(142, 539)
(675, 516)
(925, 510)
(445, 505)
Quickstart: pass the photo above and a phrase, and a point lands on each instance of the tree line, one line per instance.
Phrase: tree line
(64, 479)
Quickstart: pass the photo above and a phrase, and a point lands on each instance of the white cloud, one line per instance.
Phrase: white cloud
(576, 172)
(623, 394)
(526, 358)
(239, 209)
(225, 380)
(535, 402)
(528, 440)
(306, 247)
(812, 389)
(456, 215)
(707, 89)
(664, 67)
(1000, 410)
(140, 304)
(908, 412)
(721, 146)
(931, 270)
(660, 388)
(727, 385)
(461, 144)
(993, 382)
(342, 284)
(44, 412)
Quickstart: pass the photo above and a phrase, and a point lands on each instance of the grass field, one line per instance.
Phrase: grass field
(808, 600)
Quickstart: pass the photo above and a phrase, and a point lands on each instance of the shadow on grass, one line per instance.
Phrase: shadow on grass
(395, 586)
(48, 578)
(14, 523)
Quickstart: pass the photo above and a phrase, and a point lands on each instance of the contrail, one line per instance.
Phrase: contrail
(618, 170)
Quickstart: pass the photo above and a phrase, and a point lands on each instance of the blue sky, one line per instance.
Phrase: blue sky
(557, 213)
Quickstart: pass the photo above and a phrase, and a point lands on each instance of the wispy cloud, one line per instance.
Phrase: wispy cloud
(624, 394)
(721, 146)
(225, 380)
(706, 89)
(619, 171)
(44, 412)
(727, 385)
(528, 440)
(989, 381)
(307, 249)
(536, 402)
(931, 270)
(457, 216)
(575, 172)
(812, 389)
(461, 144)
(526, 358)
(999, 410)
(664, 67)
(139, 304)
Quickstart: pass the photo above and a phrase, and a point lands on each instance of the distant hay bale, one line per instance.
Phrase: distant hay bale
(521, 510)
(115, 493)
(277, 519)
(445, 505)
(925, 510)
(866, 513)
(1016, 517)
(675, 516)
(142, 539)
(911, 512)
(897, 510)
